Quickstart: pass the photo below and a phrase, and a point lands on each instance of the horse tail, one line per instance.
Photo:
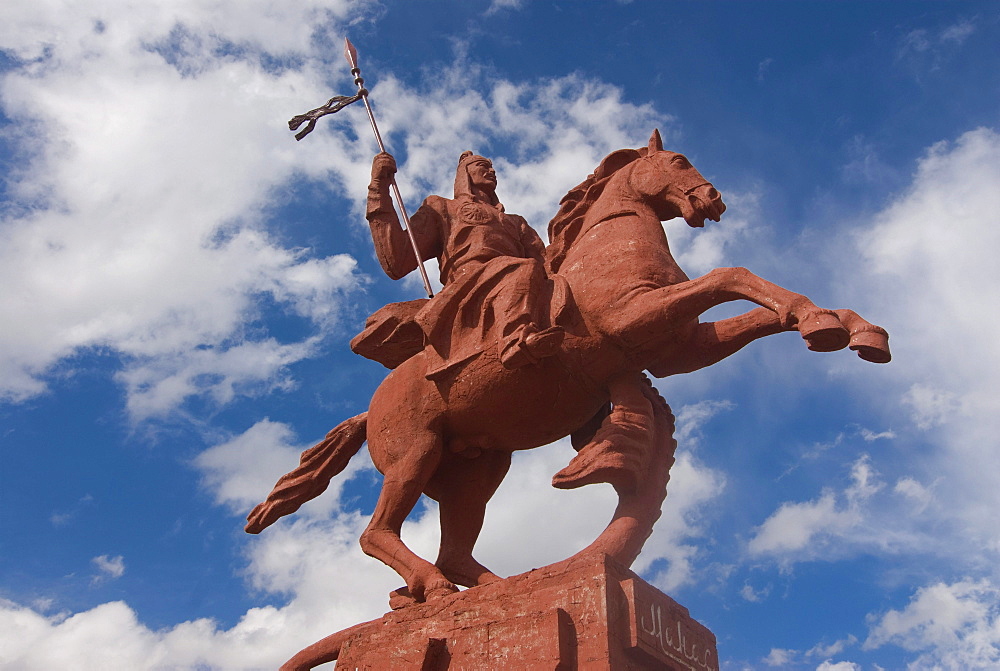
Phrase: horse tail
(317, 466)
(328, 649)
(639, 510)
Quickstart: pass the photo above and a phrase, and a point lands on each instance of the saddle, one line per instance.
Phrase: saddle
(391, 334)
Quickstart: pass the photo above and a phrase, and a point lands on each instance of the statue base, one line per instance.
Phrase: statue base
(587, 612)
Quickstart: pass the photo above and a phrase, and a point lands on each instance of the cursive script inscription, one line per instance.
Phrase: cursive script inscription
(662, 628)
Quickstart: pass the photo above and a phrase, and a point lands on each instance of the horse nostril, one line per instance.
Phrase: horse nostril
(712, 193)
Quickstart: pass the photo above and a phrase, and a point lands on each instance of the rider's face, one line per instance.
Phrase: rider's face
(482, 175)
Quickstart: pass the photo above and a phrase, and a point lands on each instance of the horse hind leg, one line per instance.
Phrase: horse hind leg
(403, 482)
(463, 486)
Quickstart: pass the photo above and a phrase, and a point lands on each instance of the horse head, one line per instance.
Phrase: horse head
(668, 183)
(652, 179)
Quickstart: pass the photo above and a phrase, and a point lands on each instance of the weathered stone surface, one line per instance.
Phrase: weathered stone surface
(584, 613)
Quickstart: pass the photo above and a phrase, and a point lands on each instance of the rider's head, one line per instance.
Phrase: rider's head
(475, 177)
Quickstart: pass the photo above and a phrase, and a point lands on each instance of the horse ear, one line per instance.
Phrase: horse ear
(655, 141)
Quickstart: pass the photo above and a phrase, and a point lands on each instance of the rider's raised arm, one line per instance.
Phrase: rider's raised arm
(392, 244)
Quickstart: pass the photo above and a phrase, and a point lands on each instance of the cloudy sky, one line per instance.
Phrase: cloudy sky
(179, 280)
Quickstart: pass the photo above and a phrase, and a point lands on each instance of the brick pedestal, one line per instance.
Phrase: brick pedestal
(584, 613)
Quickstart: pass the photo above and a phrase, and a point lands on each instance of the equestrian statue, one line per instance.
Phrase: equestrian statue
(526, 344)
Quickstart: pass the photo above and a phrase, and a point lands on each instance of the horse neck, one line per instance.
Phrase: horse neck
(617, 199)
(620, 247)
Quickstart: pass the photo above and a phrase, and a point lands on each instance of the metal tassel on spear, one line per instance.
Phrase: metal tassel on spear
(337, 103)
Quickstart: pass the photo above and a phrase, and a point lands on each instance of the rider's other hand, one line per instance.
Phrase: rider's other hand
(383, 166)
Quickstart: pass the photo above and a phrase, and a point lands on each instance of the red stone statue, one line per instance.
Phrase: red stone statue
(526, 345)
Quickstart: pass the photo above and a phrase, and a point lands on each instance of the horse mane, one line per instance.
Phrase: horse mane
(566, 226)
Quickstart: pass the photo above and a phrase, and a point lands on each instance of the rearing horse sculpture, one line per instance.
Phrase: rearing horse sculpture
(631, 309)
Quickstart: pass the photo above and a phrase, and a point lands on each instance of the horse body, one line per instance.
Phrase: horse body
(632, 309)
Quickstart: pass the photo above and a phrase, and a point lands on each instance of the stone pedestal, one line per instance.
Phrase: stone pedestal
(584, 613)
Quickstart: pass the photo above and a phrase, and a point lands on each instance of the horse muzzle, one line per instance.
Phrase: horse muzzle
(705, 203)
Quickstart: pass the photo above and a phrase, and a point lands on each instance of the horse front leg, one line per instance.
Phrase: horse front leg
(463, 486)
(711, 342)
(871, 342)
(650, 315)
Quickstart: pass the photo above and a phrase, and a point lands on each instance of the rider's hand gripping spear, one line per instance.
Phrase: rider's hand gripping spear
(337, 103)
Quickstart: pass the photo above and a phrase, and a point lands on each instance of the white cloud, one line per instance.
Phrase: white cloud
(927, 48)
(807, 529)
(158, 385)
(63, 517)
(752, 595)
(931, 407)
(763, 67)
(838, 666)
(73, 29)
(926, 272)
(953, 626)
(139, 223)
(693, 416)
(779, 657)
(915, 491)
(313, 560)
(241, 471)
(498, 5)
(835, 648)
(930, 258)
(108, 567)
(138, 219)
(870, 436)
(555, 132)
(958, 32)
(794, 526)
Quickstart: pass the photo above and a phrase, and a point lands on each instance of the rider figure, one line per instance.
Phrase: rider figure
(492, 267)
(496, 289)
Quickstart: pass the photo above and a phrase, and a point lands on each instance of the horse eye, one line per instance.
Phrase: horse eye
(679, 160)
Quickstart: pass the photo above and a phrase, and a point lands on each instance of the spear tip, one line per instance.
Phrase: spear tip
(350, 53)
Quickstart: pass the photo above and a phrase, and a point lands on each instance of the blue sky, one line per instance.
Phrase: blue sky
(180, 279)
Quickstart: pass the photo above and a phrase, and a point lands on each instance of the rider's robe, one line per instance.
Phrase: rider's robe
(493, 272)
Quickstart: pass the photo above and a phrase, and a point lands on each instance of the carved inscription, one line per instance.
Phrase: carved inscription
(662, 629)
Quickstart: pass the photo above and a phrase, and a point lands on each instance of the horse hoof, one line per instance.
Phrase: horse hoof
(468, 573)
(439, 592)
(823, 332)
(400, 598)
(872, 345)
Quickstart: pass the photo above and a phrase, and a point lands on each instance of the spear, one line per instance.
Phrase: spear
(338, 103)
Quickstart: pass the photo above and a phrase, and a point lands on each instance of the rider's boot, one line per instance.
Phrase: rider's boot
(618, 451)
(616, 454)
(527, 345)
